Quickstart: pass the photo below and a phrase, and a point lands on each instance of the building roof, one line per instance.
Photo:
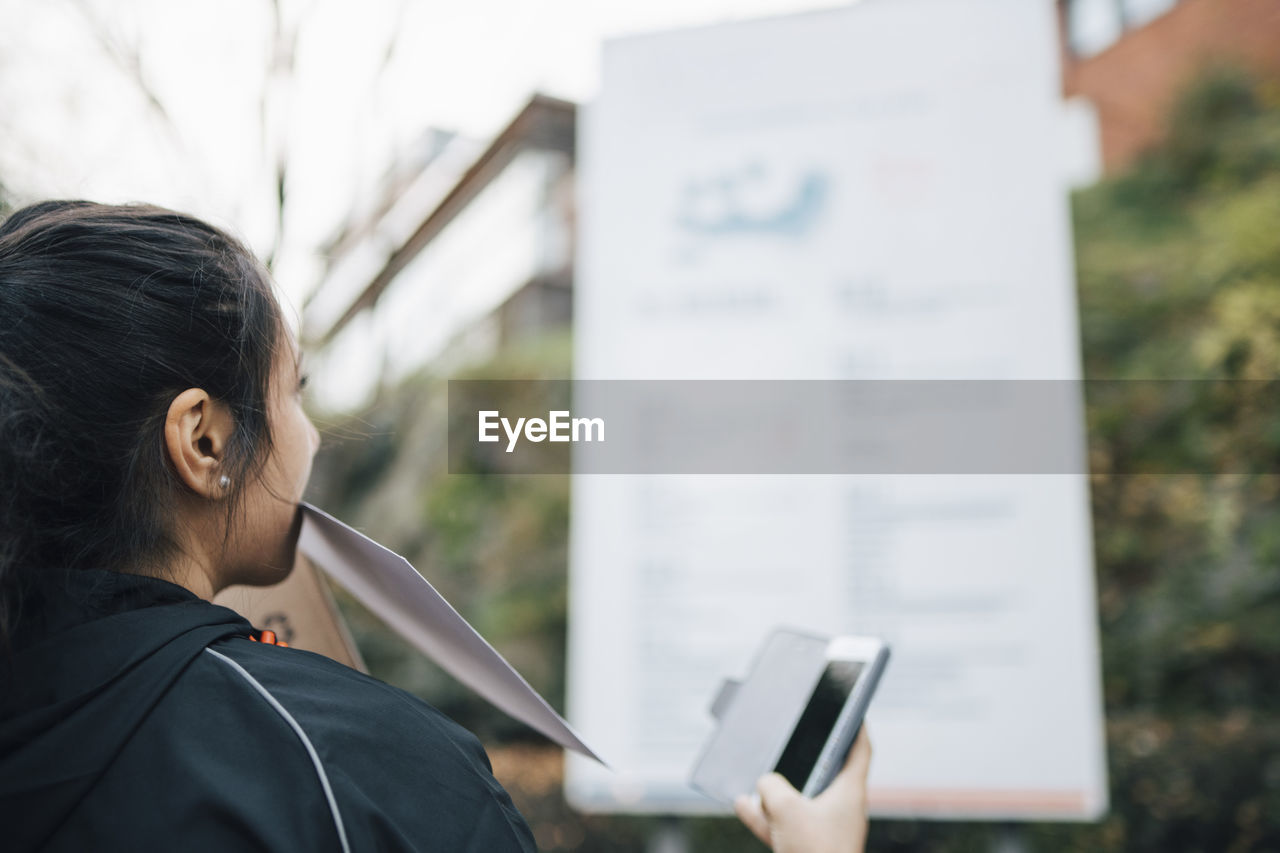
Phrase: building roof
(544, 123)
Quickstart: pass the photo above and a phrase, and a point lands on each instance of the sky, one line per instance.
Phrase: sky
(190, 105)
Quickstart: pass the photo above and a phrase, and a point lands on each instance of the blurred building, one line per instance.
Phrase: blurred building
(452, 263)
(1129, 58)
(470, 247)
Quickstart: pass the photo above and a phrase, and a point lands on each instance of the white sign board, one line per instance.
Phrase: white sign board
(872, 192)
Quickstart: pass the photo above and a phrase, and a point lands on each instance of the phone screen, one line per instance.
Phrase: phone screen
(817, 720)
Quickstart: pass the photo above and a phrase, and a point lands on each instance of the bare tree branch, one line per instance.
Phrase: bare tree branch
(128, 58)
(276, 95)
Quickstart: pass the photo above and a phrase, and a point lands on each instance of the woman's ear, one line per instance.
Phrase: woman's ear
(197, 429)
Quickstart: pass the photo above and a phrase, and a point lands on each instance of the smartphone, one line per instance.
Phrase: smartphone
(797, 713)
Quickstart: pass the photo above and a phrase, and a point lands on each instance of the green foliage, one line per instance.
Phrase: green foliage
(1222, 134)
(495, 547)
(1179, 275)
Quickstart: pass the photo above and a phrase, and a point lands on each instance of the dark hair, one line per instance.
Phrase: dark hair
(107, 312)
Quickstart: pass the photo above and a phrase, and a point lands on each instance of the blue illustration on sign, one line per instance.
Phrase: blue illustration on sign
(750, 200)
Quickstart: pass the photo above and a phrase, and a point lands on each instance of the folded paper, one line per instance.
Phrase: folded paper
(393, 590)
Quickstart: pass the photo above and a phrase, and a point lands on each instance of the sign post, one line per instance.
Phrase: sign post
(872, 192)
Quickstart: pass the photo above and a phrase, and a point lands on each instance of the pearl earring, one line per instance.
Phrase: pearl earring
(224, 481)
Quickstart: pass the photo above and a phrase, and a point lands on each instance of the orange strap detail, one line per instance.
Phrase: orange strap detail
(269, 637)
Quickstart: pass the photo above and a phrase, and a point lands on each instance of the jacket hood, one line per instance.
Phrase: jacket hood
(93, 654)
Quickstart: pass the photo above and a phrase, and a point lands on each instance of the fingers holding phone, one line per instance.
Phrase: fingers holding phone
(835, 821)
(799, 714)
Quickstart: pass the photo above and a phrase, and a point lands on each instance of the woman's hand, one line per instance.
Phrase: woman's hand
(835, 821)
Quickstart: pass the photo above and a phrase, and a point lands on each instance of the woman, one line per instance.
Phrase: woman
(153, 450)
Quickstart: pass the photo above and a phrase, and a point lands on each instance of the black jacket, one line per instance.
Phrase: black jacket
(136, 716)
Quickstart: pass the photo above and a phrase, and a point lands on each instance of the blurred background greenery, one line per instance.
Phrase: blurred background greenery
(1179, 277)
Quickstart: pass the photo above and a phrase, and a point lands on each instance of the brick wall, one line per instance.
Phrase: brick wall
(1133, 82)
